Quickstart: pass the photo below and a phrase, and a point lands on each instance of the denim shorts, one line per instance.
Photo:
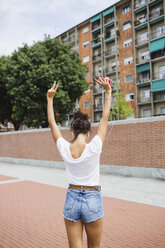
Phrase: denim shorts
(85, 205)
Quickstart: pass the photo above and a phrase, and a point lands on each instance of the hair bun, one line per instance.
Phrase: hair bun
(80, 115)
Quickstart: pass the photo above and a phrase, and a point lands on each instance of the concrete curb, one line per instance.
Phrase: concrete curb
(128, 171)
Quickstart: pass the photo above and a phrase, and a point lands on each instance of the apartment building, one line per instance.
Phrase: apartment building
(125, 42)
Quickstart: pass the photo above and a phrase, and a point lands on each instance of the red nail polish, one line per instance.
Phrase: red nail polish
(110, 81)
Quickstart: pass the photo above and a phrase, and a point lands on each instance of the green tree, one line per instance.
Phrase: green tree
(120, 108)
(5, 99)
(31, 71)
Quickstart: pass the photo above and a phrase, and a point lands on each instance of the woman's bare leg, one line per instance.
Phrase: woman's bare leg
(94, 232)
(75, 233)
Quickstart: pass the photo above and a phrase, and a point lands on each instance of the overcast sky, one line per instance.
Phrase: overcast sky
(25, 21)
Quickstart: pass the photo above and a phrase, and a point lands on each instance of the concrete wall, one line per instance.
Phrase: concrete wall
(133, 143)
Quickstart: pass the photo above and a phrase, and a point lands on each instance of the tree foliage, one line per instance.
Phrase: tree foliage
(121, 109)
(30, 71)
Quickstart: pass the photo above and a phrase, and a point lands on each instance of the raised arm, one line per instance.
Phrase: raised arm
(102, 128)
(51, 119)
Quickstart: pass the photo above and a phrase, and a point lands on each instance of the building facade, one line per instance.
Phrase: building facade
(125, 42)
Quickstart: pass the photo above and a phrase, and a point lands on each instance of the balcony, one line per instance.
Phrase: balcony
(158, 55)
(158, 34)
(140, 21)
(109, 20)
(110, 70)
(96, 42)
(97, 89)
(143, 59)
(141, 81)
(141, 42)
(110, 52)
(157, 76)
(98, 107)
(142, 101)
(156, 14)
(139, 4)
(159, 97)
(96, 57)
(71, 39)
(96, 26)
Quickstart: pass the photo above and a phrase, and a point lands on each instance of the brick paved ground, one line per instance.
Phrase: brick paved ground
(31, 217)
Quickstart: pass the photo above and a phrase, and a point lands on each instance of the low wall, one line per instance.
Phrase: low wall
(129, 143)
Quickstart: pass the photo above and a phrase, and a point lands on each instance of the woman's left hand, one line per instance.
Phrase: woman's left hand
(52, 91)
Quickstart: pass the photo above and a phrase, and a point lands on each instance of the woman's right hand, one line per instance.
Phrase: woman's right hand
(104, 83)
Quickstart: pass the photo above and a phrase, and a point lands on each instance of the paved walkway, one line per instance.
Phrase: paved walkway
(32, 199)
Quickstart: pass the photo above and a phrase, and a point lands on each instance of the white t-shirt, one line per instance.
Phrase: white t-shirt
(84, 170)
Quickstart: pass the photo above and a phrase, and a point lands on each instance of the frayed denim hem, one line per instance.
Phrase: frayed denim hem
(94, 219)
(83, 220)
(71, 219)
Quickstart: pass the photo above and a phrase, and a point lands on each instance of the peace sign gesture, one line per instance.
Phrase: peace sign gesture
(52, 91)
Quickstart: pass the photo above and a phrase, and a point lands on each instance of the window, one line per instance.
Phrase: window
(162, 110)
(126, 25)
(113, 64)
(145, 55)
(141, 2)
(128, 60)
(146, 93)
(145, 75)
(129, 97)
(85, 59)
(160, 30)
(162, 71)
(144, 36)
(86, 105)
(128, 42)
(85, 30)
(146, 112)
(129, 78)
(112, 31)
(85, 44)
(126, 9)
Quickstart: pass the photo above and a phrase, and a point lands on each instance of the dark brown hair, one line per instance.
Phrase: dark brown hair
(80, 124)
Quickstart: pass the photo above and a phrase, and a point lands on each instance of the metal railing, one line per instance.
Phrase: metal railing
(156, 76)
(110, 69)
(156, 14)
(142, 80)
(96, 41)
(142, 59)
(108, 36)
(140, 99)
(141, 41)
(110, 51)
(71, 39)
(139, 4)
(96, 57)
(157, 34)
(158, 54)
(159, 97)
(96, 26)
(109, 20)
